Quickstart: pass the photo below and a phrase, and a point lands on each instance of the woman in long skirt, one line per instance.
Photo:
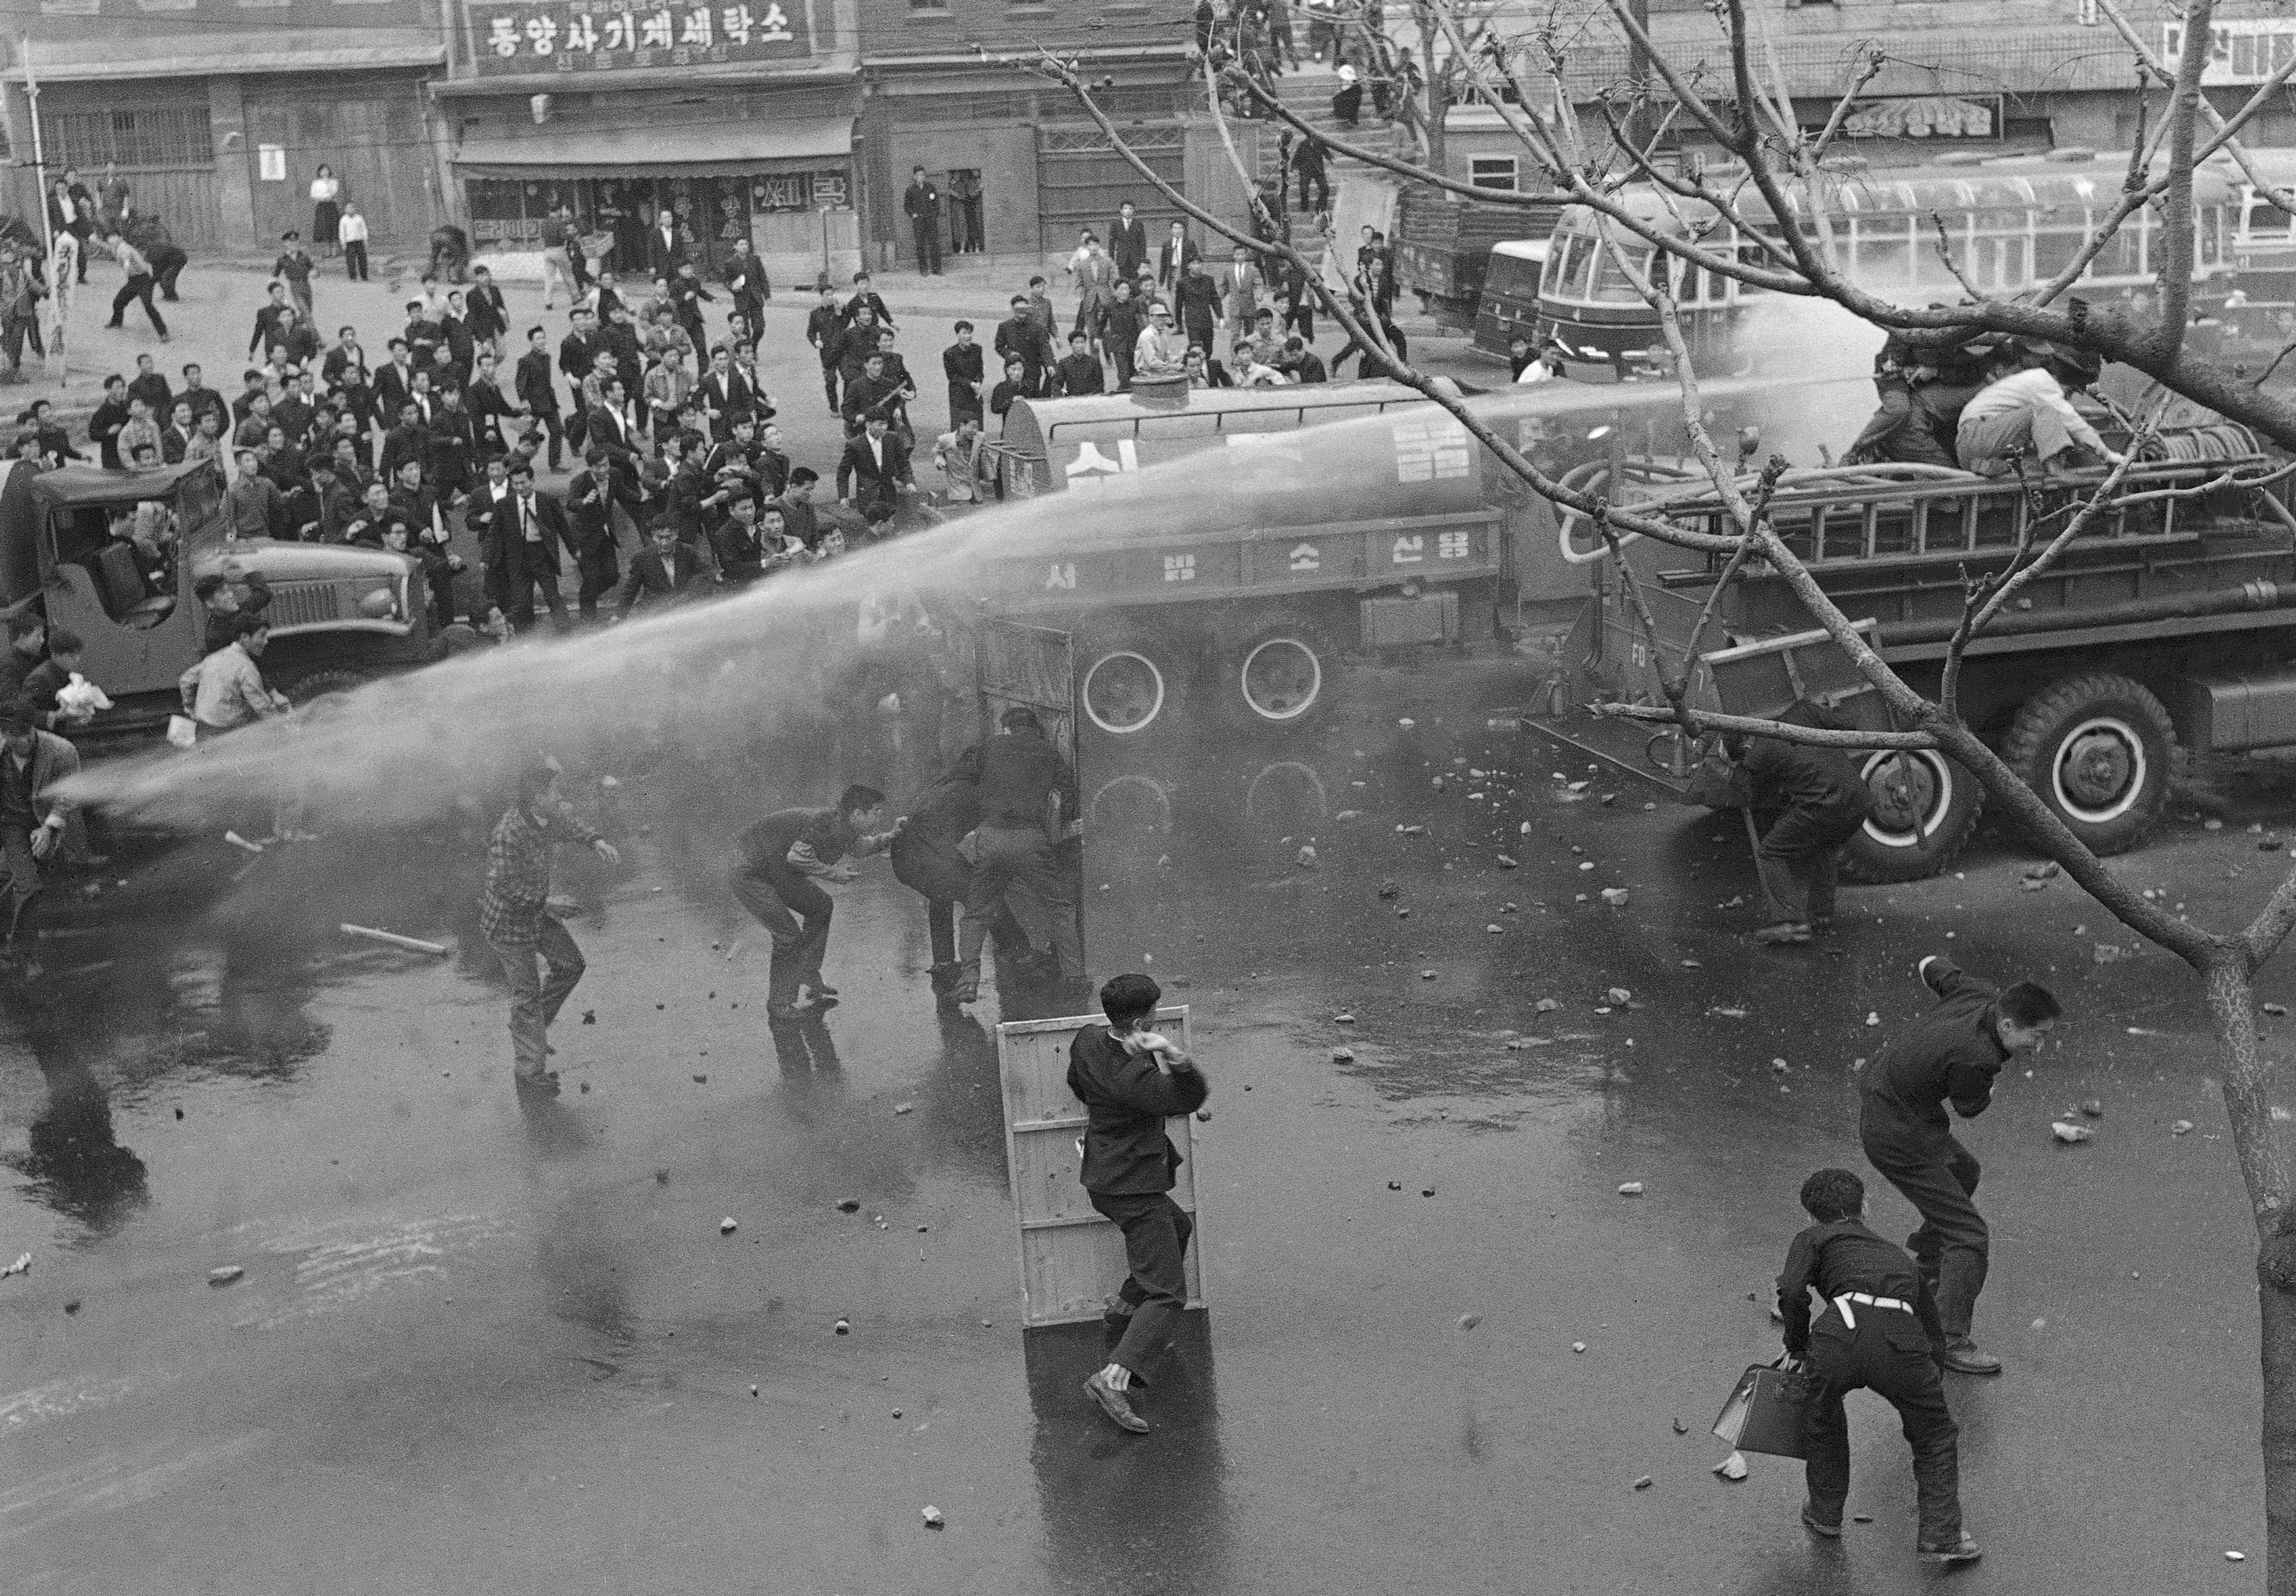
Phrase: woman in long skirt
(327, 209)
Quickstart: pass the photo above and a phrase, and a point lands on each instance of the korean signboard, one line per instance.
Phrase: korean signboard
(527, 37)
(1924, 117)
(2245, 50)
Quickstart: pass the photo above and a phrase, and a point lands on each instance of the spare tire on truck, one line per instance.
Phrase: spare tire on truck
(1282, 677)
(2097, 748)
(1129, 680)
(1925, 810)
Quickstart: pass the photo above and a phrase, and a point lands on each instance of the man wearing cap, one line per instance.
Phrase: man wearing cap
(32, 814)
(1131, 1080)
(1160, 352)
(2024, 413)
(516, 921)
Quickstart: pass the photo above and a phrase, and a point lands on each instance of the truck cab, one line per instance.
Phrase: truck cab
(337, 613)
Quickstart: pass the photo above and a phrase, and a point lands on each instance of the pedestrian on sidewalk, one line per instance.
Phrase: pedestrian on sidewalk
(137, 288)
(1131, 1080)
(1877, 1329)
(537, 953)
(785, 857)
(1951, 1055)
(1824, 800)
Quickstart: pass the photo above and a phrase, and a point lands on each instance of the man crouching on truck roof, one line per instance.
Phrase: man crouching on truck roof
(2024, 412)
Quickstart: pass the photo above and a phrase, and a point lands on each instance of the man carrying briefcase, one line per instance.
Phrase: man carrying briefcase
(1878, 1329)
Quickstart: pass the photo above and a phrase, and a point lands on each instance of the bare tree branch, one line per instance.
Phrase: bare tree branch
(1808, 737)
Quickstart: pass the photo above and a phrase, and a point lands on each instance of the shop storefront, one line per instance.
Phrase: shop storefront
(563, 103)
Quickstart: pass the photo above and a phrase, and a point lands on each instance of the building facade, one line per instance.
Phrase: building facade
(218, 112)
(1977, 76)
(1021, 167)
(738, 120)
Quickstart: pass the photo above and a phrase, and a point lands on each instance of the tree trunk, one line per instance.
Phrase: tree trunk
(2264, 1168)
(2275, 1273)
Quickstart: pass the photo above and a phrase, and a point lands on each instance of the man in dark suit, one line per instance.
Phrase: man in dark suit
(921, 203)
(665, 574)
(589, 510)
(665, 253)
(395, 382)
(611, 429)
(1172, 261)
(726, 393)
(538, 393)
(1127, 243)
(1021, 335)
(409, 440)
(873, 473)
(522, 552)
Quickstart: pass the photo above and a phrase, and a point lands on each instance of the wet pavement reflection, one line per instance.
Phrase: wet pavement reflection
(482, 1343)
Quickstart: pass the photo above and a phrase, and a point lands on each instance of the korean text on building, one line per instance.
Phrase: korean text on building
(526, 36)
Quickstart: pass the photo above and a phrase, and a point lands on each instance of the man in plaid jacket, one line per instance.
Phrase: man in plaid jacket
(537, 953)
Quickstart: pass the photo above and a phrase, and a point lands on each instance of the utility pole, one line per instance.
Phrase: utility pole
(47, 223)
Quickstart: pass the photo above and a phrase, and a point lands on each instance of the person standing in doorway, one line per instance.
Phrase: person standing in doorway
(1128, 242)
(1131, 1080)
(1951, 1055)
(964, 211)
(921, 203)
(327, 209)
(1877, 1331)
(536, 953)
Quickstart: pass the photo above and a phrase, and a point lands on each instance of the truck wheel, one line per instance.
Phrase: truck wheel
(308, 690)
(1283, 676)
(1128, 684)
(1925, 809)
(2098, 749)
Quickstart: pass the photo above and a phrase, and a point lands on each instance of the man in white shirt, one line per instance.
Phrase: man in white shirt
(226, 689)
(1161, 352)
(137, 287)
(2024, 412)
(1248, 370)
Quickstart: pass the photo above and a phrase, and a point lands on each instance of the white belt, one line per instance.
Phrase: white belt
(1841, 1305)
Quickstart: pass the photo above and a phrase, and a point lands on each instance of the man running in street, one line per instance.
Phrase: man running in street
(516, 921)
(783, 859)
(1951, 1055)
(1131, 1080)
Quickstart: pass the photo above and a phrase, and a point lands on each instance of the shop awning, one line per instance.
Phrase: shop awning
(703, 150)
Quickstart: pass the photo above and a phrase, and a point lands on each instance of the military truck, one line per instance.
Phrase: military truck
(2168, 628)
(339, 615)
(1325, 520)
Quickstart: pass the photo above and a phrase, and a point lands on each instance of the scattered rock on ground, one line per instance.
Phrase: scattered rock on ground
(225, 1275)
(2065, 1132)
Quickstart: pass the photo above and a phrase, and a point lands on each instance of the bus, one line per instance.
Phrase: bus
(1510, 302)
(2014, 222)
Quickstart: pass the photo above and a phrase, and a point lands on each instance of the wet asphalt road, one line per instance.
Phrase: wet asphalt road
(477, 1349)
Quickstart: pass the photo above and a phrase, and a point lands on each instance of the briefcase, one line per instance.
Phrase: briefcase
(1765, 1412)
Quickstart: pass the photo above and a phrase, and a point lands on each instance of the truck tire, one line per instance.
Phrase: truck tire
(1282, 678)
(1128, 684)
(2099, 749)
(308, 688)
(1925, 810)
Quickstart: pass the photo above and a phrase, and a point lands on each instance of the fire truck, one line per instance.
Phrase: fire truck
(2169, 628)
(1290, 527)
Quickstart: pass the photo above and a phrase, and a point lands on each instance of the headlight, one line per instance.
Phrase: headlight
(378, 604)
